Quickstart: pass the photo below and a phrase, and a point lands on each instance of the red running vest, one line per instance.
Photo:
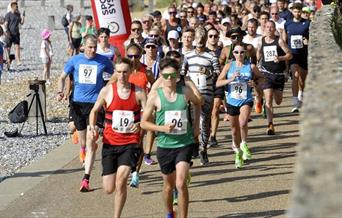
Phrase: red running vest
(115, 138)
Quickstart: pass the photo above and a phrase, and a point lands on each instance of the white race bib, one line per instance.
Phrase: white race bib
(180, 120)
(238, 90)
(199, 79)
(87, 74)
(122, 121)
(296, 41)
(270, 52)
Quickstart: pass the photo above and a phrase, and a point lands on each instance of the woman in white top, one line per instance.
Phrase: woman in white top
(46, 54)
(106, 49)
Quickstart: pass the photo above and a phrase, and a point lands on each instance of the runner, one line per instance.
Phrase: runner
(214, 49)
(175, 137)
(202, 67)
(87, 70)
(297, 31)
(273, 53)
(238, 76)
(121, 137)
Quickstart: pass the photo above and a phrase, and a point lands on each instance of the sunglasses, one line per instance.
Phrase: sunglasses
(150, 46)
(274, 13)
(226, 24)
(213, 36)
(190, 12)
(135, 29)
(154, 36)
(172, 12)
(167, 75)
(239, 52)
(234, 36)
(182, 17)
(145, 21)
(133, 56)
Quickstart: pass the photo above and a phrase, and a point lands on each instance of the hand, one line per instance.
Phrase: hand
(135, 127)
(305, 41)
(92, 133)
(276, 59)
(168, 128)
(60, 96)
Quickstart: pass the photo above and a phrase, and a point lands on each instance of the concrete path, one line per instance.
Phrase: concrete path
(260, 189)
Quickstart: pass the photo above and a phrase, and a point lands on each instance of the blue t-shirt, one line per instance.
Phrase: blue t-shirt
(295, 33)
(239, 92)
(87, 73)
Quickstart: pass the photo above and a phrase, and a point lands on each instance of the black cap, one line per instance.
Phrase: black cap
(156, 14)
(236, 30)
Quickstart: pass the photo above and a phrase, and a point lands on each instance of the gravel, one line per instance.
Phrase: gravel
(21, 151)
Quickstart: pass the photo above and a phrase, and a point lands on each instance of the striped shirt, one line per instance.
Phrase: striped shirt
(202, 69)
(155, 66)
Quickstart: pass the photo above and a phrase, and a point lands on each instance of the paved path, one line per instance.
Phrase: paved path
(260, 189)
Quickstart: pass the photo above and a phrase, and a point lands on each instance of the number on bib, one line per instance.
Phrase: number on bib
(200, 80)
(238, 90)
(296, 41)
(87, 74)
(270, 52)
(122, 121)
(179, 119)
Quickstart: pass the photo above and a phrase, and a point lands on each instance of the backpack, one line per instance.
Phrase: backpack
(19, 113)
(64, 21)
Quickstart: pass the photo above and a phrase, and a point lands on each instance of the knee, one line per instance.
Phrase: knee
(108, 190)
(168, 187)
(244, 123)
(181, 185)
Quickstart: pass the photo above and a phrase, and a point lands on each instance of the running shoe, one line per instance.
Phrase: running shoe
(134, 180)
(204, 157)
(148, 160)
(295, 110)
(238, 160)
(175, 197)
(212, 142)
(258, 106)
(75, 138)
(246, 153)
(85, 186)
(82, 154)
(270, 130)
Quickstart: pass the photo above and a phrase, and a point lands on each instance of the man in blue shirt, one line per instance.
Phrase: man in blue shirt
(297, 32)
(87, 69)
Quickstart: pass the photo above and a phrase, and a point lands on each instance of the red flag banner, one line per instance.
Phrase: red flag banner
(114, 15)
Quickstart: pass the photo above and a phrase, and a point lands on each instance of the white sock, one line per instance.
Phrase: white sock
(300, 95)
(243, 143)
(235, 149)
(295, 101)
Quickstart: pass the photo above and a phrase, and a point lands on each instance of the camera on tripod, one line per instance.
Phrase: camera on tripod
(34, 87)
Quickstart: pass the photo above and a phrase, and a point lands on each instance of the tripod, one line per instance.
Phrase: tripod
(38, 106)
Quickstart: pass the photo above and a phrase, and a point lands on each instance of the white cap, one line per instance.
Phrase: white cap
(224, 2)
(225, 20)
(173, 34)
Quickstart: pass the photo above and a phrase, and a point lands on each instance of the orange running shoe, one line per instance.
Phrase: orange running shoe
(82, 154)
(75, 138)
(258, 107)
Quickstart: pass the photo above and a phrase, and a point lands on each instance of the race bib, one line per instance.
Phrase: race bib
(199, 79)
(296, 41)
(270, 52)
(87, 74)
(238, 90)
(122, 121)
(179, 119)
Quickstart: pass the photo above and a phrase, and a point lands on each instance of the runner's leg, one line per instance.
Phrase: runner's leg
(182, 170)
(121, 189)
(169, 184)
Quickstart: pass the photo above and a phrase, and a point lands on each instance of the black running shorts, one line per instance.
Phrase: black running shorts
(235, 111)
(115, 156)
(169, 157)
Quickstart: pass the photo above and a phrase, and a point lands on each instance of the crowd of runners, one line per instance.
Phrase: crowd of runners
(181, 68)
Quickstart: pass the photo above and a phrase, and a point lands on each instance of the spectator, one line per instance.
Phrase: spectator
(75, 36)
(13, 20)
(46, 53)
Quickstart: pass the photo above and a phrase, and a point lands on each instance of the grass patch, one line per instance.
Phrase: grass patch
(164, 3)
